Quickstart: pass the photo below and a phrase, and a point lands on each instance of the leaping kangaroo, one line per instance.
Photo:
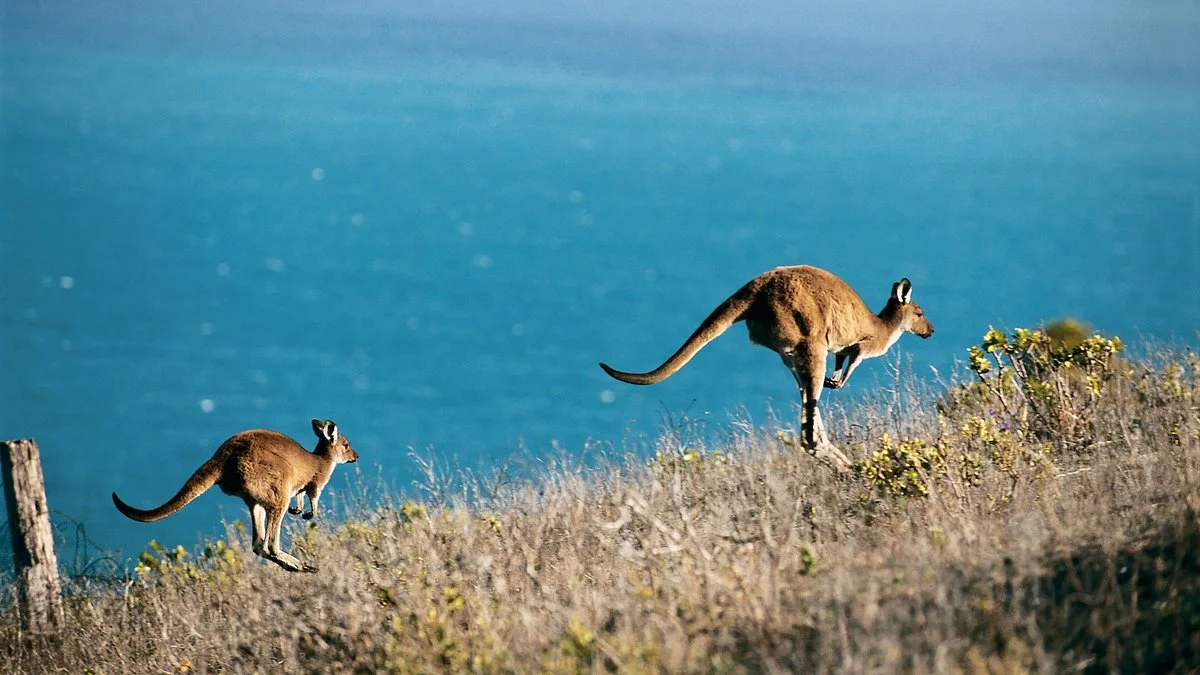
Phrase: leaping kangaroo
(266, 469)
(802, 313)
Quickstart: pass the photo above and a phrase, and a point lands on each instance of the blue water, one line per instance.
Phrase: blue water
(433, 236)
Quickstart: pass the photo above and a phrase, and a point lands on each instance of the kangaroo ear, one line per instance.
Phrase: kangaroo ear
(902, 291)
(330, 431)
(319, 428)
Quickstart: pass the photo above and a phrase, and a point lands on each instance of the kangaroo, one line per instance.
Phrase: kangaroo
(266, 469)
(802, 313)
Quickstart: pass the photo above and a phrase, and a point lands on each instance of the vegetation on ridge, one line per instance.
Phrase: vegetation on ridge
(1042, 517)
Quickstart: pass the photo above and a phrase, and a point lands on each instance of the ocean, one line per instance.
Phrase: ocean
(431, 230)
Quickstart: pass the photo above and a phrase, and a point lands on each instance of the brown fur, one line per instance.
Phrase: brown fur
(803, 313)
(266, 469)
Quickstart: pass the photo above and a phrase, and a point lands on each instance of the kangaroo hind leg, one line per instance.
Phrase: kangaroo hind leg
(258, 523)
(809, 371)
(810, 421)
(275, 552)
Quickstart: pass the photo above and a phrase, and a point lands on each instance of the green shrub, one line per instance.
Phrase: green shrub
(904, 468)
(1046, 387)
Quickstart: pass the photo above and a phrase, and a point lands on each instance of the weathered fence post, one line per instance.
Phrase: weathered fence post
(38, 592)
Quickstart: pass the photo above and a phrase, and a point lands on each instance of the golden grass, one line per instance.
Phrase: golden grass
(970, 540)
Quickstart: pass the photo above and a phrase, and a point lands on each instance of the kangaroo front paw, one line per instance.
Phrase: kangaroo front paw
(295, 510)
(308, 516)
(831, 383)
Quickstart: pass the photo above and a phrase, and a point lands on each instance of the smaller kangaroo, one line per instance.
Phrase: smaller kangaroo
(803, 313)
(266, 469)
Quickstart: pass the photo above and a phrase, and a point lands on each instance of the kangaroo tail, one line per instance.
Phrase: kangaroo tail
(205, 477)
(725, 315)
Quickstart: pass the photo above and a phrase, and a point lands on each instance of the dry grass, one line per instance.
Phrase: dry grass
(1021, 533)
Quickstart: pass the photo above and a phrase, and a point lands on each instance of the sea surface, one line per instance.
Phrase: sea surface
(431, 230)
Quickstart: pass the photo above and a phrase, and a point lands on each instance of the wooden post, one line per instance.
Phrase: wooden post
(38, 592)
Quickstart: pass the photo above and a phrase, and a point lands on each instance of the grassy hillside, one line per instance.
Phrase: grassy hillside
(1043, 517)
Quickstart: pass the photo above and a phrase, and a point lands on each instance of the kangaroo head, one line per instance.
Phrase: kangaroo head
(907, 313)
(332, 443)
